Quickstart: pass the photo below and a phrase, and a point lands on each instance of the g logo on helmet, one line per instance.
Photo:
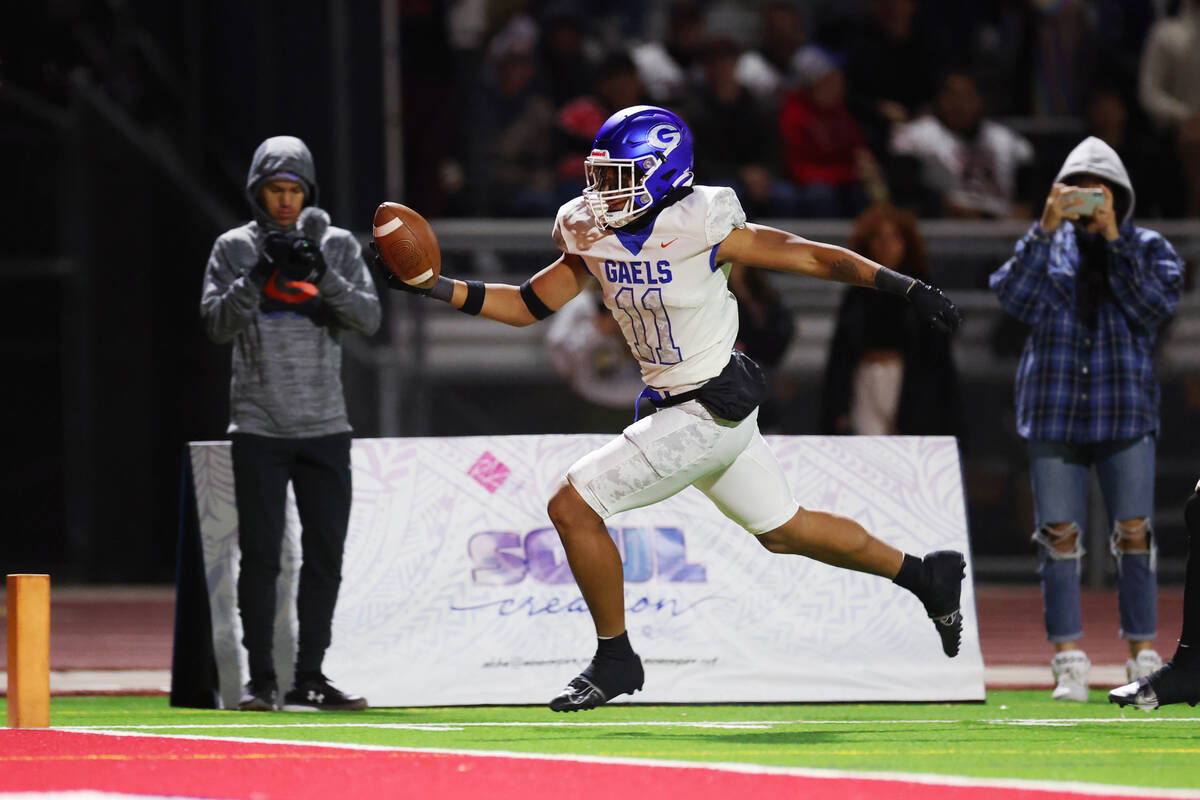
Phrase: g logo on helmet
(665, 136)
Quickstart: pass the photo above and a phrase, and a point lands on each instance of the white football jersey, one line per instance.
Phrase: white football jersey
(663, 284)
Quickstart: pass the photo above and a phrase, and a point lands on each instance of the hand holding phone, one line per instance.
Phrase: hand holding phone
(1083, 202)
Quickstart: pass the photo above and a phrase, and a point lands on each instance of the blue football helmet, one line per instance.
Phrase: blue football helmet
(640, 154)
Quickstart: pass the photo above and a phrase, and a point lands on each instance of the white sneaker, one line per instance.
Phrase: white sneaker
(1147, 661)
(1071, 668)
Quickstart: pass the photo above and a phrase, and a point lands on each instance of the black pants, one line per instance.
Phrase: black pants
(319, 470)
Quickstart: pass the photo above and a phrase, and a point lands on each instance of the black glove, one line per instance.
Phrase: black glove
(304, 261)
(390, 278)
(934, 307)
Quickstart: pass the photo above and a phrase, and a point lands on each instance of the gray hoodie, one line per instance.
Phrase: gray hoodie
(1094, 156)
(286, 365)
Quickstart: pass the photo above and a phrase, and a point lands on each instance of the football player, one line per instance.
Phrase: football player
(1177, 681)
(661, 249)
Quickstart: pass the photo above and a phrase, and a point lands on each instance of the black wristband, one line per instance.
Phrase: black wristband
(474, 302)
(534, 303)
(887, 280)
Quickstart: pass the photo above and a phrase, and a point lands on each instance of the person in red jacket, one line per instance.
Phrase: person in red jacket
(824, 151)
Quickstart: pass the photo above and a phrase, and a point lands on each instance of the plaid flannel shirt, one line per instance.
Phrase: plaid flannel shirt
(1076, 384)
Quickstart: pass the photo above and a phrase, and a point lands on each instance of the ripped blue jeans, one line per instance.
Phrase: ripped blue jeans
(1060, 473)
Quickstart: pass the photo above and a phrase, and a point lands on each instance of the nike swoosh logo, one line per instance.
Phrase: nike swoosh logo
(668, 244)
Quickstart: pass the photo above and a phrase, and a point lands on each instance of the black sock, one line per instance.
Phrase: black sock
(912, 576)
(616, 648)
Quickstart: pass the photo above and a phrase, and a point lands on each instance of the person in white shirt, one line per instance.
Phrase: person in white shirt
(969, 164)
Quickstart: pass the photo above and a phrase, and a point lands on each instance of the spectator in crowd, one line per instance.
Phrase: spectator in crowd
(824, 152)
(588, 351)
(737, 144)
(892, 69)
(1121, 30)
(765, 70)
(888, 372)
(1110, 119)
(1178, 681)
(1064, 54)
(283, 289)
(765, 330)
(512, 162)
(668, 67)
(1095, 290)
(568, 57)
(1169, 88)
(999, 56)
(617, 86)
(970, 166)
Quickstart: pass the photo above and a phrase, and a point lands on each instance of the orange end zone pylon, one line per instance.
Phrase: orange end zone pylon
(28, 651)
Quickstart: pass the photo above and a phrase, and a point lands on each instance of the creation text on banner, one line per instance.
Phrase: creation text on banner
(455, 588)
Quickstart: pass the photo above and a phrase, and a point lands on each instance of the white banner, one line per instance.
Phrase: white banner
(456, 591)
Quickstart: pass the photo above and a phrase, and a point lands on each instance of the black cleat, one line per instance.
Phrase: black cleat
(945, 570)
(600, 681)
(1167, 685)
(318, 694)
(260, 696)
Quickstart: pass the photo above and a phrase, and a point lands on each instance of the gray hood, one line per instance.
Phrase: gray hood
(1095, 157)
(280, 157)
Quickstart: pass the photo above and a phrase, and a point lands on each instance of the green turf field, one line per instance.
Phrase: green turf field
(1012, 735)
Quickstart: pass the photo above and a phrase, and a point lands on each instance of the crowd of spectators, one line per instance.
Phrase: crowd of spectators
(819, 109)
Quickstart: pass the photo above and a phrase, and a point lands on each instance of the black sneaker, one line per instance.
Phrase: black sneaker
(318, 694)
(260, 696)
(945, 570)
(600, 681)
(1167, 685)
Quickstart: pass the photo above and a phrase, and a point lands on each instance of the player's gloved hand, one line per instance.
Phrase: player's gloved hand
(934, 306)
(304, 261)
(390, 278)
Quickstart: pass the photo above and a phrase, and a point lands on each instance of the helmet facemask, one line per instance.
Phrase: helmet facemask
(616, 187)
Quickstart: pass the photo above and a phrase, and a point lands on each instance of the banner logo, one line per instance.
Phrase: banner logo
(504, 558)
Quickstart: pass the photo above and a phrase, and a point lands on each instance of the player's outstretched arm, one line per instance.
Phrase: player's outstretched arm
(763, 246)
(537, 298)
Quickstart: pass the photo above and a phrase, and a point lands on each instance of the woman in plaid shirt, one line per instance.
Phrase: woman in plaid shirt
(1096, 290)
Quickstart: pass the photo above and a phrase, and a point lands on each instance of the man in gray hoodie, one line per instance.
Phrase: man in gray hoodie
(282, 289)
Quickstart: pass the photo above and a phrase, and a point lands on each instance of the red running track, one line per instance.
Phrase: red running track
(46, 761)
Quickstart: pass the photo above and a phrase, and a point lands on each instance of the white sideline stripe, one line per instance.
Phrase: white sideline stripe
(1073, 787)
(387, 227)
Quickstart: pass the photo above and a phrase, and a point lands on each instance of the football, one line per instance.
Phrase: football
(407, 244)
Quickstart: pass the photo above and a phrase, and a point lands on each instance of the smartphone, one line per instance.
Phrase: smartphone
(1083, 202)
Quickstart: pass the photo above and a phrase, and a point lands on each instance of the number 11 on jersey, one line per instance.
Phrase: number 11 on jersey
(649, 307)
